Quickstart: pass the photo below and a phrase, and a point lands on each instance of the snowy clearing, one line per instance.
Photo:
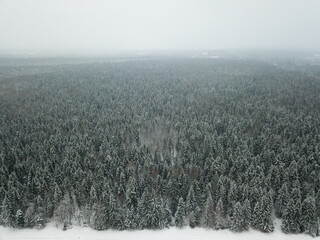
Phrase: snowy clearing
(81, 233)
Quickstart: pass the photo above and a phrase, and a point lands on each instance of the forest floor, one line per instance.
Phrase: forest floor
(83, 233)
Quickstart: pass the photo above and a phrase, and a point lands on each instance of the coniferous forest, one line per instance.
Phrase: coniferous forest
(149, 144)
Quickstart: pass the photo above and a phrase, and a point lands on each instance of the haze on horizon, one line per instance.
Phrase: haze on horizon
(98, 26)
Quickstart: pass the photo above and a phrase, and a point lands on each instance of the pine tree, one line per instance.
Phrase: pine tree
(238, 218)
(308, 217)
(180, 214)
(29, 217)
(208, 216)
(220, 216)
(19, 219)
(130, 221)
(64, 211)
(150, 211)
(131, 194)
(166, 216)
(198, 194)
(262, 215)
(114, 217)
(282, 200)
(100, 217)
(192, 219)
(57, 195)
(247, 215)
(317, 201)
(191, 203)
(232, 194)
(291, 216)
(6, 217)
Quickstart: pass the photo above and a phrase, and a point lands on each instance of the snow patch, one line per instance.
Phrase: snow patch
(85, 233)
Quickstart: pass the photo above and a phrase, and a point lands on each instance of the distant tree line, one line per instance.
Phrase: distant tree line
(151, 144)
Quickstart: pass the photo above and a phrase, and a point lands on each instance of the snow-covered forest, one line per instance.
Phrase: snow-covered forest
(210, 143)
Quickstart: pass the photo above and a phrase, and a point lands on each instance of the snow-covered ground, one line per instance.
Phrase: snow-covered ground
(78, 233)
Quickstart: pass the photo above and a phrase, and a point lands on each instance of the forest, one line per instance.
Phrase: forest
(154, 143)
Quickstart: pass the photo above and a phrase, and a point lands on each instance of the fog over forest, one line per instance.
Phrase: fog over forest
(100, 27)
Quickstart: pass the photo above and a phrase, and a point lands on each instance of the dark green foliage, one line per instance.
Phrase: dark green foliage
(208, 217)
(191, 203)
(215, 143)
(282, 200)
(179, 217)
(19, 219)
(317, 202)
(292, 213)
(308, 216)
(6, 216)
(152, 213)
(261, 216)
(131, 195)
(238, 222)
(130, 222)
(192, 219)
(220, 216)
(247, 214)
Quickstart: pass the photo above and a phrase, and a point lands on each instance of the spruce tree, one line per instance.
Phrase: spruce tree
(247, 215)
(6, 217)
(29, 217)
(292, 214)
(100, 217)
(19, 219)
(237, 218)
(191, 203)
(114, 219)
(180, 214)
(192, 219)
(220, 216)
(131, 194)
(308, 217)
(262, 219)
(282, 200)
(166, 216)
(317, 201)
(130, 221)
(208, 215)
(57, 195)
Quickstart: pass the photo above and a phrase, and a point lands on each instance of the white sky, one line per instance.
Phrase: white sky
(111, 25)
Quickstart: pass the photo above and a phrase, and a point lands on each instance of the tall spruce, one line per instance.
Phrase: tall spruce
(180, 214)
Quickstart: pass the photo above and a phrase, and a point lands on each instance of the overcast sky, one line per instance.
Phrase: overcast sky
(72, 26)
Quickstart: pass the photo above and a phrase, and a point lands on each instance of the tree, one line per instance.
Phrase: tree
(262, 215)
(308, 217)
(29, 217)
(57, 195)
(208, 216)
(282, 200)
(150, 211)
(167, 216)
(220, 216)
(317, 201)
(291, 216)
(131, 194)
(192, 219)
(247, 214)
(130, 221)
(6, 217)
(180, 214)
(191, 203)
(19, 219)
(101, 217)
(238, 223)
(64, 211)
